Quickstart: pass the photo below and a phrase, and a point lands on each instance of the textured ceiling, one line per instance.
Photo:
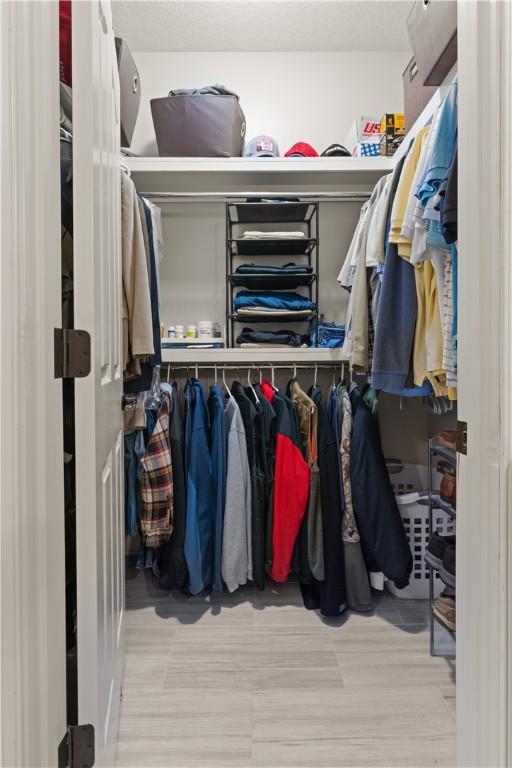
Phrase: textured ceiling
(262, 25)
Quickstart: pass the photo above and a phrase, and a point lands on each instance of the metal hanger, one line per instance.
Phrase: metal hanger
(272, 379)
(249, 382)
(316, 376)
(225, 384)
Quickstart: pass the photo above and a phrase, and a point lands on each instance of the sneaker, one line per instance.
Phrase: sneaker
(436, 549)
(448, 438)
(444, 609)
(447, 569)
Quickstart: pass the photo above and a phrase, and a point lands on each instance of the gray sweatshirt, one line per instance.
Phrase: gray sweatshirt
(237, 540)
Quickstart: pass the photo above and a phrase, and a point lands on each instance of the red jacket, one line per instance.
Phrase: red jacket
(291, 484)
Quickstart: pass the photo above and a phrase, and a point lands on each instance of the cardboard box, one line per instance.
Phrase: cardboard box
(389, 144)
(393, 124)
(363, 129)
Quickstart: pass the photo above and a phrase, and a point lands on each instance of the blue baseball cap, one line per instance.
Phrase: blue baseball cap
(261, 146)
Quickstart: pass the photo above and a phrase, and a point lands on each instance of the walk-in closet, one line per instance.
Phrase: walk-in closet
(272, 345)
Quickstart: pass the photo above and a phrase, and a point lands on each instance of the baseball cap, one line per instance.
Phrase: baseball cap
(261, 146)
(301, 149)
(336, 150)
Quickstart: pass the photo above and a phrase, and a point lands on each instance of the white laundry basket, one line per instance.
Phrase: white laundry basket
(409, 482)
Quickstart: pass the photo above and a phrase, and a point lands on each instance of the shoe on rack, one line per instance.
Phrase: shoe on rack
(448, 487)
(447, 569)
(436, 549)
(448, 438)
(444, 609)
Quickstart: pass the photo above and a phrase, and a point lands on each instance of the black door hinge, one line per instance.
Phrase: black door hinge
(76, 749)
(72, 350)
(462, 437)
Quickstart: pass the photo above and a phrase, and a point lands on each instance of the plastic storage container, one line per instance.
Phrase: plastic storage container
(409, 482)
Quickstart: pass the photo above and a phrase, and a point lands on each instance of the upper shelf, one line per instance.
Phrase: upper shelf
(246, 175)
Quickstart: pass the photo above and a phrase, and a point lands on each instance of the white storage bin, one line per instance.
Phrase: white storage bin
(409, 482)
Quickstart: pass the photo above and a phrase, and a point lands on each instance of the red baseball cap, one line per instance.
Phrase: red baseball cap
(301, 149)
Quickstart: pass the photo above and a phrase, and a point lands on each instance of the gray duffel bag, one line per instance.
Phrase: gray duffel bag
(203, 123)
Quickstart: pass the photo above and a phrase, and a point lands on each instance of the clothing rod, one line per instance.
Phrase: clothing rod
(224, 197)
(256, 366)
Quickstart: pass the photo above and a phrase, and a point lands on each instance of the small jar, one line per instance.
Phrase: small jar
(180, 332)
(171, 332)
(205, 329)
(217, 332)
(191, 331)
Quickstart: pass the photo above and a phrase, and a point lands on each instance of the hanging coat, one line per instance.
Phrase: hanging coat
(219, 461)
(199, 528)
(383, 539)
(291, 484)
(173, 566)
(329, 594)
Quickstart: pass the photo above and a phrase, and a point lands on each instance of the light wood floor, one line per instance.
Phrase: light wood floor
(253, 679)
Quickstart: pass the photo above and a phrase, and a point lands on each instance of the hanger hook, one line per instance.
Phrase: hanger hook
(197, 372)
(272, 374)
(168, 373)
(316, 374)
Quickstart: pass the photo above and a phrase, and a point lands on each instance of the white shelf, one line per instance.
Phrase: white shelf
(245, 176)
(336, 165)
(249, 355)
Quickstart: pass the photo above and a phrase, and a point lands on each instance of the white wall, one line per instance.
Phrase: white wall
(311, 96)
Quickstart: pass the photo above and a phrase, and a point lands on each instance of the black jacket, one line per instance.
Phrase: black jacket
(383, 539)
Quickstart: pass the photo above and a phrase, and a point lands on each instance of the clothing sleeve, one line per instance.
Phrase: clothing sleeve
(137, 320)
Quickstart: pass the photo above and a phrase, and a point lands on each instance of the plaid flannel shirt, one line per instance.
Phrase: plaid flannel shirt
(156, 487)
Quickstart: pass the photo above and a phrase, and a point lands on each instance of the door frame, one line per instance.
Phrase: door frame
(32, 565)
(484, 533)
(32, 650)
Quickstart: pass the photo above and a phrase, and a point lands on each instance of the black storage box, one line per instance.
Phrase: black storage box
(129, 86)
(416, 95)
(432, 28)
(202, 125)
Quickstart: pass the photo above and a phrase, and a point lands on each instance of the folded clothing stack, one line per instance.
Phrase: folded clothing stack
(328, 335)
(266, 269)
(280, 235)
(273, 303)
(284, 338)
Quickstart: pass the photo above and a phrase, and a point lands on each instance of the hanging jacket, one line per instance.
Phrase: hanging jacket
(249, 416)
(359, 596)
(236, 538)
(291, 484)
(380, 526)
(311, 547)
(173, 566)
(199, 528)
(261, 473)
(219, 462)
(329, 594)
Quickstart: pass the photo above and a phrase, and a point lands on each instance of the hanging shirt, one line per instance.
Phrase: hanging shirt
(402, 195)
(156, 486)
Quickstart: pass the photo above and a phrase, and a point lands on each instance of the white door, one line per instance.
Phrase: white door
(484, 496)
(99, 435)
(32, 578)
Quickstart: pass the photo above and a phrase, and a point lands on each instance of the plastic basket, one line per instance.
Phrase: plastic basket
(409, 482)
